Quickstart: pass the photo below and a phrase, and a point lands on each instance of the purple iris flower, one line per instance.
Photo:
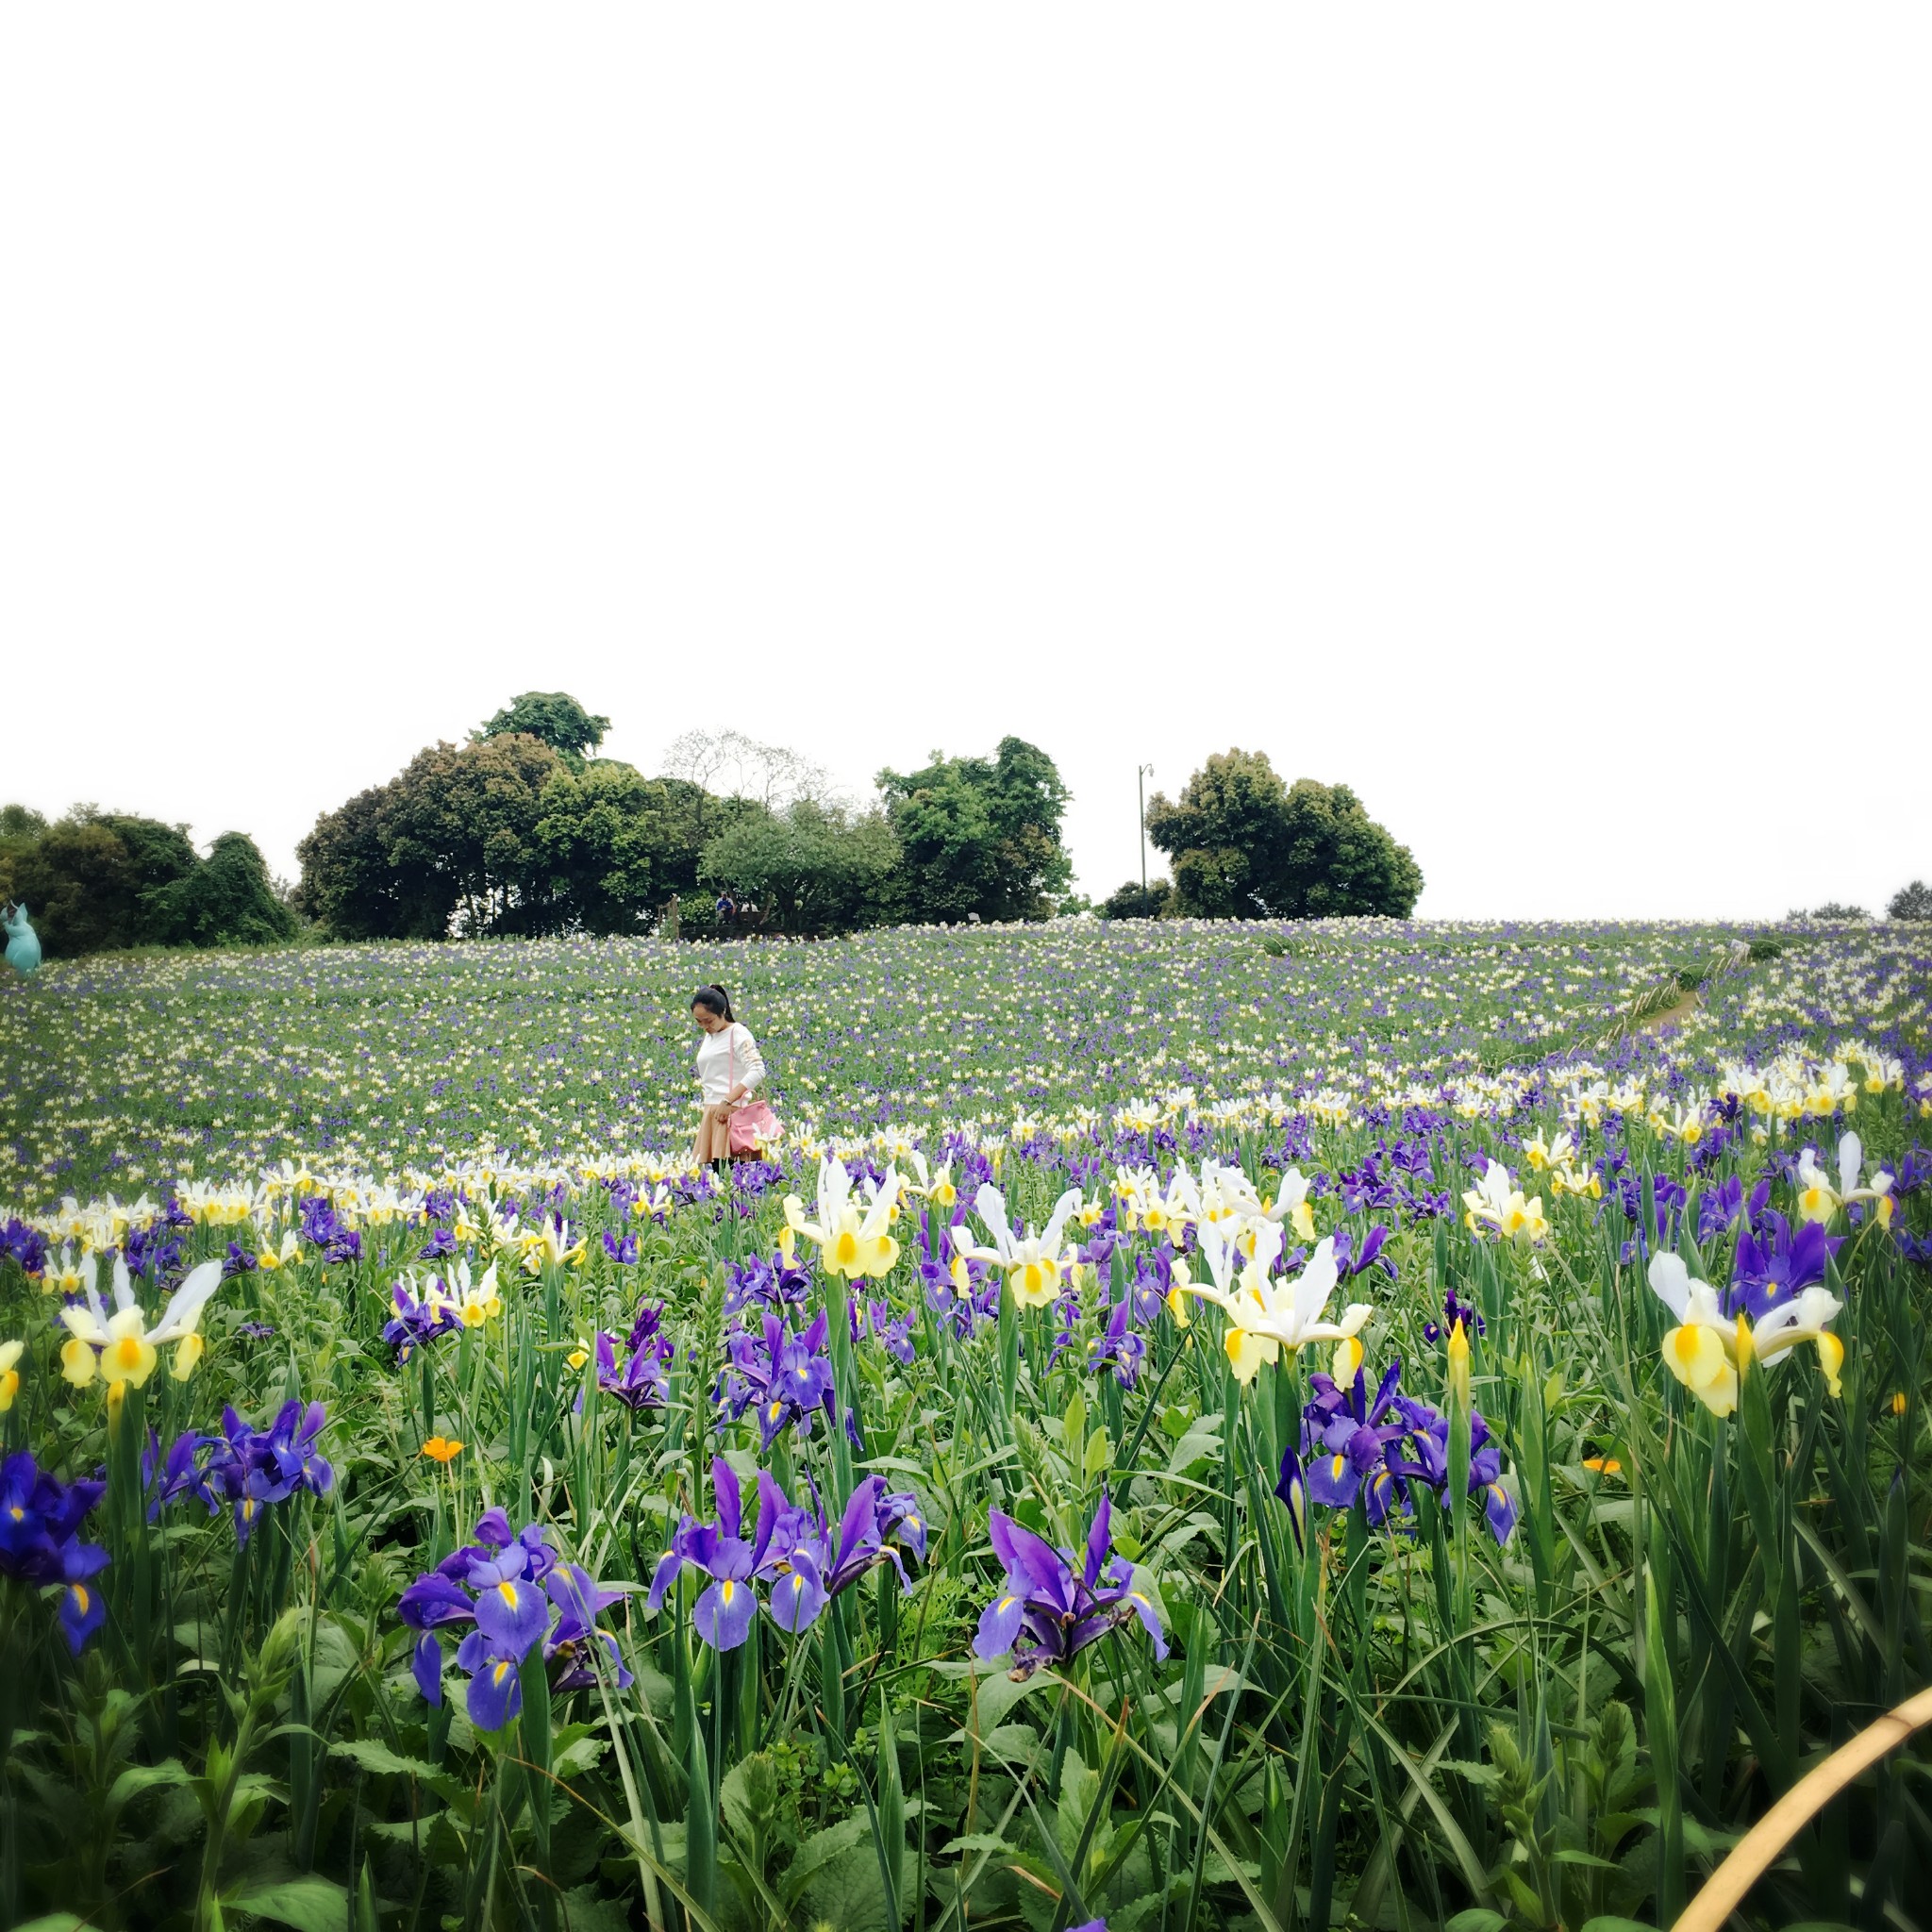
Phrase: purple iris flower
(1453, 1312)
(512, 1616)
(322, 1228)
(507, 1585)
(775, 1283)
(794, 1552)
(249, 1469)
(1349, 1259)
(1428, 1437)
(417, 1321)
(1118, 1346)
(1772, 1264)
(723, 1615)
(27, 1245)
(1055, 1604)
(806, 1567)
(580, 1599)
(625, 1252)
(238, 1260)
(1355, 1446)
(639, 1381)
(39, 1520)
(785, 1375)
(893, 1336)
(1350, 1446)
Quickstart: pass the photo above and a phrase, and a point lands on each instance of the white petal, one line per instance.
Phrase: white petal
(186, 1304)
(1670, 1280)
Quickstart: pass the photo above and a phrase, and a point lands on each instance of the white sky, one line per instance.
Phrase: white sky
(1524, 414)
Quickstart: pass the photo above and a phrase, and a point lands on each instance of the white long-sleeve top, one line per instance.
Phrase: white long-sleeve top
(728, 1057)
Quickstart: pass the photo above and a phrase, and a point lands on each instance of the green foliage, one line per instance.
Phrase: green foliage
(981, 837)
(812, 869)
(452, 839)
(553, 718)
(104, 881)
(1764, 948)
(1244, 845)
(1911, 902)
(1135, 901)
(228, 899)
(613, 843)
(1360, 1725)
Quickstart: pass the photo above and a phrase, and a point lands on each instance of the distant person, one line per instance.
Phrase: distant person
(726, 909)
(730, 1069)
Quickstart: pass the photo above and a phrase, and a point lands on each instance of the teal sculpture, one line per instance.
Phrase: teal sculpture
(23, 943)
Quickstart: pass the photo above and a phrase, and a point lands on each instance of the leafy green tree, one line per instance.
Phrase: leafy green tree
(81, 887)
(227, 900)
(465, 818)
(21, 828)
(601, 834)
(1135, 901)
(100, 881)
(1244, 845)
(97, 881)
(350, 886)
(812, 869)
(553, 717)
(1911, 902)
(980, 835)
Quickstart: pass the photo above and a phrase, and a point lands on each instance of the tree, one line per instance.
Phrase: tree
(96, 881)
(21, 828)
(734, 766)
(466, 817)
(552, 717)
(1136, 901)
(813, 868)
(352, 887)
(227, 900)
(1911, 902)
(100, 881)
(981, 836)
(1244, 845)
(615, 845)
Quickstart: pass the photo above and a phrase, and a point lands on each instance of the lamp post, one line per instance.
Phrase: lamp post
(1141, 774)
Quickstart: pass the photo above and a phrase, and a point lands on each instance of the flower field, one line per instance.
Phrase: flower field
(1349, 1424)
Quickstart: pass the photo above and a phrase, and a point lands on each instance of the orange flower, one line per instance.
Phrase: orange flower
(1604, 1465)
(441, 1449)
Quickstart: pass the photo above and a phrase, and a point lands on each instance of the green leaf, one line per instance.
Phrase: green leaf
(1476, 1919)
(822, 1849)
(144, 1777)
(586, 1909)
(309, 1905)
(374, 1755)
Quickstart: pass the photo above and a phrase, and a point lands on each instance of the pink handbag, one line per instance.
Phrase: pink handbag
(752, 1124)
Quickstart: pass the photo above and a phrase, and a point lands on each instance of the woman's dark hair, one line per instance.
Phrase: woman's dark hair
(714, 999)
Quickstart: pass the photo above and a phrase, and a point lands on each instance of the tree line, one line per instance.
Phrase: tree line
(524, 830)
(99, 881)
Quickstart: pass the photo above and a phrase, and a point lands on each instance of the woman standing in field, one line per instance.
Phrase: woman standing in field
(730, 1069)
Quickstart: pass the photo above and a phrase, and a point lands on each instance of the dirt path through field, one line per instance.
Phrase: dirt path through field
(1670, 1016)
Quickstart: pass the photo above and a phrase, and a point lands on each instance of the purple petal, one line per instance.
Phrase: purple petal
(723, 1615)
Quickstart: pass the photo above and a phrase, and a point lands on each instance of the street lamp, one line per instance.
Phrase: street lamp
(1142, 773)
